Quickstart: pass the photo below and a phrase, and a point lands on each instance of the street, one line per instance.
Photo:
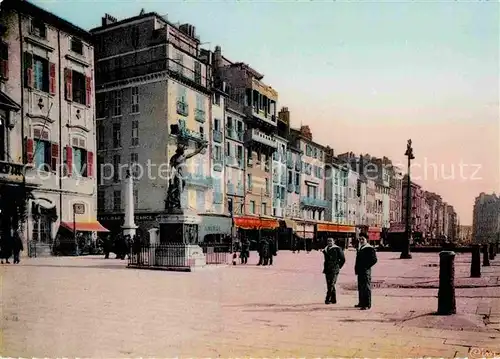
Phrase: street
(95, 307)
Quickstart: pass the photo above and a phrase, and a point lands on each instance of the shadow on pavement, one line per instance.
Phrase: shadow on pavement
(104, 266)
(295, 308)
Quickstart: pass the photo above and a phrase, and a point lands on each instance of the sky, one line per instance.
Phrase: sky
(365, 76)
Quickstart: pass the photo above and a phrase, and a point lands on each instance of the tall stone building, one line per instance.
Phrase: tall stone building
(486, 219)
(153, 90)
(47, 122)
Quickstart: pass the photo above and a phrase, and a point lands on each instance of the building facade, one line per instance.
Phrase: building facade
(154, 91)
(280, 177)
(486, 219)
(47, 89)
(353, 198)
(395, 195)
(217, 149)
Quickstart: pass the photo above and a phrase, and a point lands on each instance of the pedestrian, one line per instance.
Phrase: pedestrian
(6, 248)
(366, 258)
(272, 250)
(245, 251)
(17, 246)
(334, 261)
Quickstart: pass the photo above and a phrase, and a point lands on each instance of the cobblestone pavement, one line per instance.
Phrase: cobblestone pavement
(92, 307)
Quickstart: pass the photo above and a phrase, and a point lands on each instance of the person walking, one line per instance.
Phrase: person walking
(366, 258)
(245, 251)
(17, 246)
(334, 261)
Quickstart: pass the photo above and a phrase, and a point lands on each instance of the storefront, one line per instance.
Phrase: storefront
(341, 233)
(305, 235)
(396, 236)
(255, 228)
(213, 228)
(286, 236)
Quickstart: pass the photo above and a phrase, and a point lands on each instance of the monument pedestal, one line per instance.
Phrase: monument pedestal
(179, 240)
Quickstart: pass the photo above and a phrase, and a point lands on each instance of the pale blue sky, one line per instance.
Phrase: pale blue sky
(364, 75)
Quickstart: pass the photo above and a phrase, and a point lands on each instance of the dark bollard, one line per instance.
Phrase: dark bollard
(475, 263)
(486, 257)
(492, 252)
(446, 294)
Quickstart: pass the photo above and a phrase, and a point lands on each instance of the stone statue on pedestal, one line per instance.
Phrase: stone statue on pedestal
(176, 182)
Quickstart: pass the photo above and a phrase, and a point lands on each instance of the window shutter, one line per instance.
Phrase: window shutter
(29, 150)
(88, 86)
(54, 156)
(90, 164)
(69, 160)
(68, 83)
(52, 78)
(29, 76)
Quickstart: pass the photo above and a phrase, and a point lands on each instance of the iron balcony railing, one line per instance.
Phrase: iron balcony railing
(182, 108)
(198, 180)
(313, 202)
(199, 115)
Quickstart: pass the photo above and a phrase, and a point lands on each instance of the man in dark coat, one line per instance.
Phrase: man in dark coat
(17, 246)
(245, 251)
(334, 261)
(366, 258)
(272, 250)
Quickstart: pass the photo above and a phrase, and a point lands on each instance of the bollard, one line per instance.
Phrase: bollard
(492, 252)
(446, 294)
(486, 257)
(475, 263)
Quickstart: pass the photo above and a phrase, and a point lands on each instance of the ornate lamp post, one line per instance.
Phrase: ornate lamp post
(405, 254)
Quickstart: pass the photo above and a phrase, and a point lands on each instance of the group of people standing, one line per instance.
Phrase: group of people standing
(334, 260)
(10, 245)
(266, 248)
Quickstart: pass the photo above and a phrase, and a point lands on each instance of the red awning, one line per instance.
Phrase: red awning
(255, 223)
(373, 236)
(93, 226)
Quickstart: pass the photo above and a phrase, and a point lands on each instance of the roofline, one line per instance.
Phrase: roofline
(25, 7)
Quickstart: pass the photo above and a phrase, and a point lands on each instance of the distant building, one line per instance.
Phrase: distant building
(486, 219)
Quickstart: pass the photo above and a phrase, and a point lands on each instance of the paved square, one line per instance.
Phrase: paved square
(93, 307)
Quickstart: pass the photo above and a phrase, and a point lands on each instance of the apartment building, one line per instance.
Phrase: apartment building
(47, 122)
(217, 149)
(353, 198)
(336, 189)
(153, 91)
(280, 177)
(395, 195)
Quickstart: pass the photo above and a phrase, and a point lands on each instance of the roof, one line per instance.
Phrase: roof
(9, 103)
(28, 8)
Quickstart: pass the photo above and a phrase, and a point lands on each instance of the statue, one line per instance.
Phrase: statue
(176, 182)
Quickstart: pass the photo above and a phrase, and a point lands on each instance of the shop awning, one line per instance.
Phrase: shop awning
(255, 223)
(290, 223)
(373, 236)
(93, 226)
(332, 227)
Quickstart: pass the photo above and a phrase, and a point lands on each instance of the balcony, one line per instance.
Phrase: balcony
(217, 136)
(259, 136)
(199, 115)
(198, 180)
(218, 198)
(266, 117)
(313, 202)
(218, 164)
(187, 134)
(182, 108)
(290, 187)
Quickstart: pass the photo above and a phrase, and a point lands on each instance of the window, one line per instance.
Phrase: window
(179, 59)
(240, 155)
(181, 94)
(297, 179)
(41, 74)
(216, 99)
(4, 60)
(80, 161)
(228, 149)
(197, 72)
(79, 87)
(216, 124)
(117, 135)
(252, 207)
(42, 154)
(117, 200)
(42, 229)
(116, 168)
(38, 28)
(101, 105)
(249, 181)
(101, 200)
(135, 133)
(76, 46)
(2, 138)
(267, 186)
(264, 208)
(135, 99)
(217, 153)
(200, 102)
(117, 103)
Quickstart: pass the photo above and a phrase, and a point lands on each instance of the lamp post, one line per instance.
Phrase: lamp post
(405, 254)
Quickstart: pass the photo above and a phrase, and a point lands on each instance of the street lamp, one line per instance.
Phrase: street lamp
(405, 253)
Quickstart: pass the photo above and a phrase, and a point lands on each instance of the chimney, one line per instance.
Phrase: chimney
(305, 131)
(108, 20)
(284, 115)
(217, 59)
